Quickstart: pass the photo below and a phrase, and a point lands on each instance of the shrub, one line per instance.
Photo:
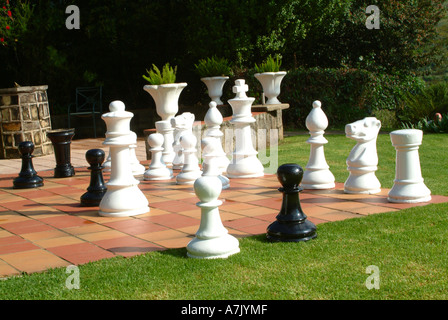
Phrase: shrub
(271, 64)
(425, 103)
(155, 77)
(346, 94)
(429, 126)
(213, 67)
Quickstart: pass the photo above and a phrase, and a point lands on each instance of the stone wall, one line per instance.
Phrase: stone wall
(24, 116)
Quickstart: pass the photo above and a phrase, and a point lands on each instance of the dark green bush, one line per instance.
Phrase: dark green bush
(425, 103)
(346, 94)
(429, 125)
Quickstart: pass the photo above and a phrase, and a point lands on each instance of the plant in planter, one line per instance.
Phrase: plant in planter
(164, 90)
(214, 73)
(270, 77)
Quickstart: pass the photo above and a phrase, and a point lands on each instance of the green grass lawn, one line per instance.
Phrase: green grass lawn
(409, 248)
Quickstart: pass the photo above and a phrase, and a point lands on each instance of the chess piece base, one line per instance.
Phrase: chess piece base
(92, 199)
(27, 182)
(123, 202)
(249, 167)
(409, 193)
(291, 232)
(158, 174)
(64, 171)
(366, 183)
(215, 248)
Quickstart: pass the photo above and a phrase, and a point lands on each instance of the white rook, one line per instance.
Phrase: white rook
(408, 184)
(123, 197)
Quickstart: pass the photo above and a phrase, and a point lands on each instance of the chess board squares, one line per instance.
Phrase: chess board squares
(33, 261)
(127, 245)
(80, 253)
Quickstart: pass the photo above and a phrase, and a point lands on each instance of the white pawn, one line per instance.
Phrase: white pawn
(210, 166)
(212, 238)
(408, 184)
(136, 167)
(190, 170)
(157, 169)
(213, 120)
(317, 174)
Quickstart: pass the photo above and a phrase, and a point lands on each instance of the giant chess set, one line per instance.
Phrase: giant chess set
(174, 149)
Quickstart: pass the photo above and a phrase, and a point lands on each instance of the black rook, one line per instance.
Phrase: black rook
(61, 140)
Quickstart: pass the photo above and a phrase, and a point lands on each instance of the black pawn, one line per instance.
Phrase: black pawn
(28, 177)
(291, 224)
(97, 188)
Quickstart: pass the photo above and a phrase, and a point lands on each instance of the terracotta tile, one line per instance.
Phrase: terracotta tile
(81, 253)
(336, 216)
(7, 197)
(91, 227)
(174, 243)
(136, 226)
(127, 246)
(317, 221)
(63, 190)
(255, 212)
(189, 231)
(11, 216)
(317, 211)
(344, 205)
(262, 191)
(42, 235)
(17, 247)
(180, 195)
(11, 239)
(36, 193)
(259, 228)
(243, 222)
(174, 206)
(65, 221)
(236, 207)
(273, 203)
(18, 205)
(4, 234)
(174, 220)
(34, 261)
(248, 197)
(225, 216)
(7, 270)
(27, 226)
(372, 210)
(102, 235)
(163, 235)
(57, 241)
(192, 213)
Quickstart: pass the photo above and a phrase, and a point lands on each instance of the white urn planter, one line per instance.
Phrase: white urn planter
(215, 87)
(271, 81)
(166, 98)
